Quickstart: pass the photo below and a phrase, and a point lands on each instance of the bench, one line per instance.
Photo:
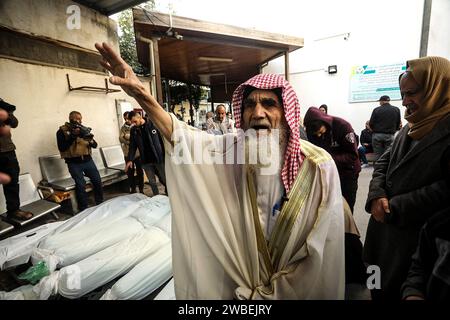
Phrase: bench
(56, 175)
(30, 200)
(113, 156)
(105, 173)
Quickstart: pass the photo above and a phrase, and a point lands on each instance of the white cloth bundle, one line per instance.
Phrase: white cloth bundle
(16, 250)
(69, 247)
(78, 279)
(168, 292)
(144, 278)
(108, 224)
(22, 293)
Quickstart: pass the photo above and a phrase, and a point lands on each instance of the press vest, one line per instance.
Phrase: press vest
(79, 148)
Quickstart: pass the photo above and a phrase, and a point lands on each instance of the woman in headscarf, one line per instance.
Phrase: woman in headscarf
(407, 187)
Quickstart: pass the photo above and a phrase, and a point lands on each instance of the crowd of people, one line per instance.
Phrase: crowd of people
(243, 232)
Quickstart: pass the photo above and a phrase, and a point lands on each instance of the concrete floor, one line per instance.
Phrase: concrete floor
(360, 215)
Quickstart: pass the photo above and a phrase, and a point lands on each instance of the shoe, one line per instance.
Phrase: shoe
(20, 215)
(364, 165)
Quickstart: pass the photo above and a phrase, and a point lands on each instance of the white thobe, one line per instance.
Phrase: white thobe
(215, 238)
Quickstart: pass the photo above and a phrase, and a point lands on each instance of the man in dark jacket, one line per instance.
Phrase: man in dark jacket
(336, 136)
(145, 137)
(366, 144)
(384, 122)
(9, 165)
(75, 143)
(407, 186)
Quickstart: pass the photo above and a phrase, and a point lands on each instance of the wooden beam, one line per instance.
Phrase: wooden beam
(159, 95)
(161, 23)
(286, 65)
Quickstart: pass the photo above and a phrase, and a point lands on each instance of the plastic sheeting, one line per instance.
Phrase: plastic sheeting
(78, 279)
(16, 250)
(144, 278)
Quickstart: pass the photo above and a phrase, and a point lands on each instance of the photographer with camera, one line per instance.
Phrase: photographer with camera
(9, 166)
(75, 143)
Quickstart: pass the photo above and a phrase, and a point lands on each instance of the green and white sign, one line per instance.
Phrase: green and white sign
(369, 83)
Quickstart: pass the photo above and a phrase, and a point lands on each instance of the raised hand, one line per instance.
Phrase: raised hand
(123, 75)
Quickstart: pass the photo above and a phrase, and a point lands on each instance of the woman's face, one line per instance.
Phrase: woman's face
(412, 93)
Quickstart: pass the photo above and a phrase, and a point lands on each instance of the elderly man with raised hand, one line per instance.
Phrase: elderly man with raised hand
(407, 186)
(240, 229)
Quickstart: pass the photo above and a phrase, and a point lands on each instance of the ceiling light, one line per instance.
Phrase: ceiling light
(215, 59)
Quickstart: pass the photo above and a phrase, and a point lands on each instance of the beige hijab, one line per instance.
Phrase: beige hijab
(433, 75)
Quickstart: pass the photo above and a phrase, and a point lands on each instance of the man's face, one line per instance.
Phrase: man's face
(220, 113)
(263, 110)
(321, 131)
(76, 117)
(411, 92)
(136, 120)
(368, 125)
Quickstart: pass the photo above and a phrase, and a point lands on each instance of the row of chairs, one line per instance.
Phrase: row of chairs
(110, 164)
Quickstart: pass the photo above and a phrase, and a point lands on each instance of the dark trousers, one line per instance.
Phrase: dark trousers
(155, 169)
(137, 180)
(349, 187)
(380, 142)
(88, 169)
(10, 166)
(362, 150)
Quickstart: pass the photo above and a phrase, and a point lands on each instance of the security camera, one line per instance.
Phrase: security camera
(178, 36)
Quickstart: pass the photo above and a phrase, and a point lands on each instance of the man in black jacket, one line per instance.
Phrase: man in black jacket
(9, 165)
(145, 137)
(384, 122)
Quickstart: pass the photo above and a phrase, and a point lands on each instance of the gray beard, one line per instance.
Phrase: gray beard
(270, 149)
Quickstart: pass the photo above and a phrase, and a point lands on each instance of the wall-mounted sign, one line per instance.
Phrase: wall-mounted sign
(369, 83)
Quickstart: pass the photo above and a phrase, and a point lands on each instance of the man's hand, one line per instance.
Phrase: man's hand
(76, 132)
(123, 75)
(4, 130)
(128, 165)
(379, 208)
(3, 115)
(4, 178)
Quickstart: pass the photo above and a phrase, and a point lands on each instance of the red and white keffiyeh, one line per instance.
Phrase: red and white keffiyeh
(292, 156)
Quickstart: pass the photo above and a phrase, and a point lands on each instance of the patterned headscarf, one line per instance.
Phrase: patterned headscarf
(292, 156)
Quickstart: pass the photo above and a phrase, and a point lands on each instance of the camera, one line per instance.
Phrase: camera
(85, 132)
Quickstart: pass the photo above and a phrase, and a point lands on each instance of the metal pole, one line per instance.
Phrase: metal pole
(286, 65)
(425, 27)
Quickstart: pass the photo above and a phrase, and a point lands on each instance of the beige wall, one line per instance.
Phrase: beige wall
(43, 103)
(40, 93)
(48, 18)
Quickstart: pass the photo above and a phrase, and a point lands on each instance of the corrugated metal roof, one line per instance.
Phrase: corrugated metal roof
(109, 7)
